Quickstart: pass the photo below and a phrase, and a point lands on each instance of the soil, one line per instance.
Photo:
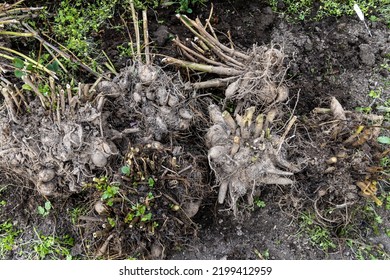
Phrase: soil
(332, 58)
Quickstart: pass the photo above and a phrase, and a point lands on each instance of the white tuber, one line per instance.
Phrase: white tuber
(46, 175)
(99, 159)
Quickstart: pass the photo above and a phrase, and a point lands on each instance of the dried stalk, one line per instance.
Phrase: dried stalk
(215, 83)
(219, 70)
(146, 36)
(134, 16)
(193, 53)
(42, 98)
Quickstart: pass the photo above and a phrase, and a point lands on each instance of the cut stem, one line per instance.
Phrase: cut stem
(146, 37)
(224, 71)
(136, 29)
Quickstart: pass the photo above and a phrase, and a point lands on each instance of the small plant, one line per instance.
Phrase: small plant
(387, 202)
(138, 210)
(364, 251)
(53, 247)
(75, 213)
(319, 235)
(111, 221)
(262, 256)
(151, 182)
(7, 237)
(384, 140)
(259, 203)
(126, 170)
(45, 209)
(108, 190)
(126, 50)
(373, 219)
(304, 9)
(141, 215)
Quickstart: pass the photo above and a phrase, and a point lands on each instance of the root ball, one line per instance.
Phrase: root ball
(147, 74)
(243, 160)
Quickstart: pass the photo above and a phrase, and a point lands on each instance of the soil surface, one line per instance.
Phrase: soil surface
(332, 58)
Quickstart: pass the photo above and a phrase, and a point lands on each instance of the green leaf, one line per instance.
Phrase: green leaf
(151, 182)
(125, 170)
(26, 87)
(18, 63)
(29, 67)
(47, 205)
(129, 217)
(19, 73)
(146, 217)
(105, 196)
(384, 140)
(54, 66)
(168, 3)
(41, 210)
(378, 219)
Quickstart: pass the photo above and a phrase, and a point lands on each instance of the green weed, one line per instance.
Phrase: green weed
(318, 235)
(151, 182)
(386, 201)
(317, 10)
(363, 251)
(108, 190)
(76, 21)
(8, 233)
(140, 214)
(259, 203)
(45, 209)
(126, 170)
(75, 213)
(52, 247)
(182, 6)
(372, 218)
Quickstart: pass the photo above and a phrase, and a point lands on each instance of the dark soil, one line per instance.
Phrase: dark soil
(332, 58)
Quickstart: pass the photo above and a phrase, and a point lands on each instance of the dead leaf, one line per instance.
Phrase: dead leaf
(337, 110)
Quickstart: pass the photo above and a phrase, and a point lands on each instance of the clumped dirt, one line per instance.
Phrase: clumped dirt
(195, 161)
